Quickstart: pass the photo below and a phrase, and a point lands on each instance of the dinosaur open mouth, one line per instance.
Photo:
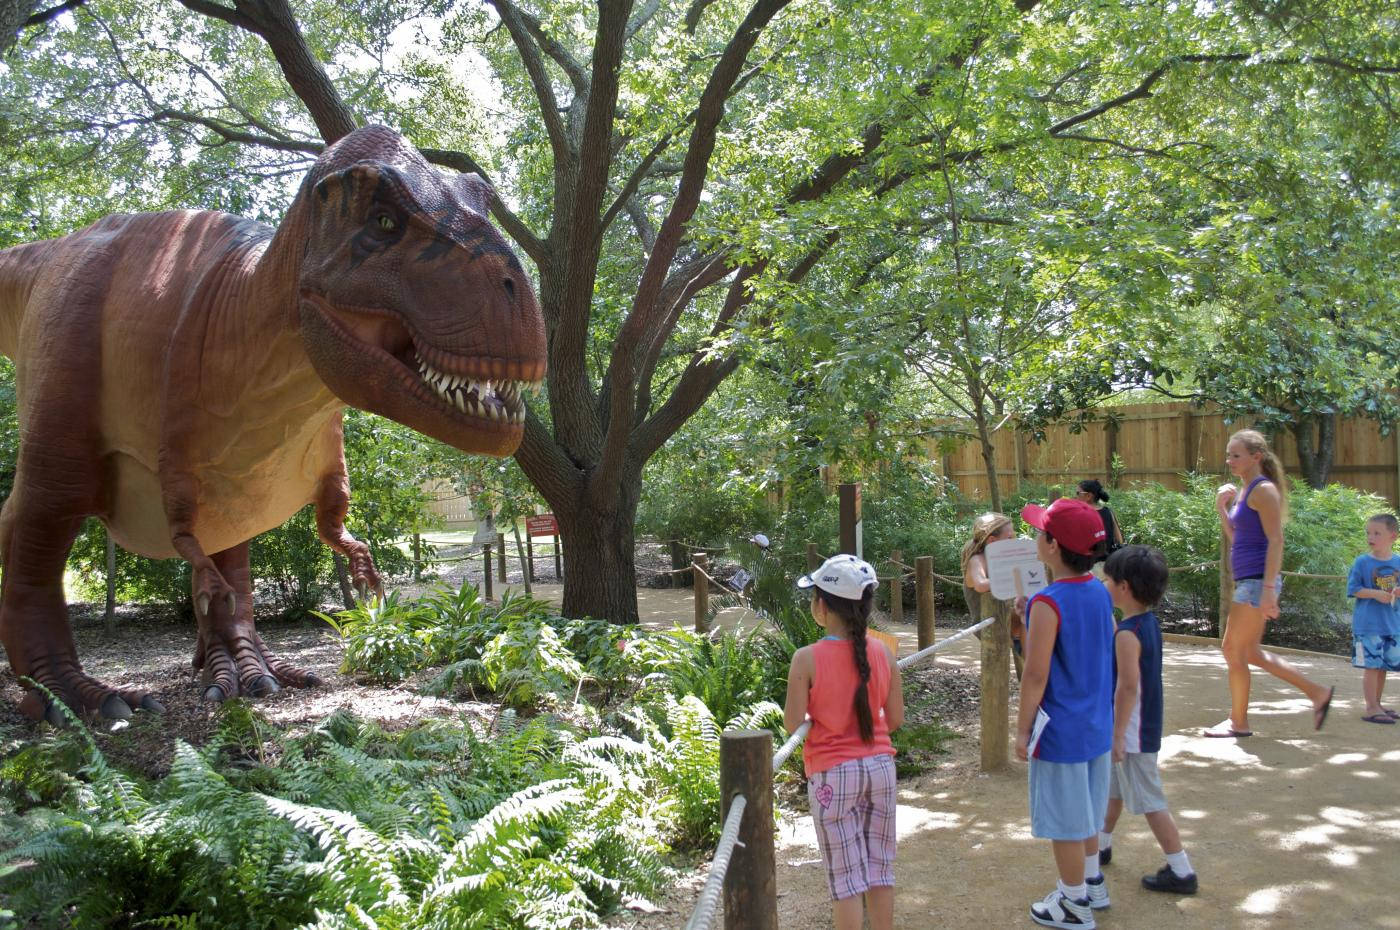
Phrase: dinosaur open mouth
(487, 391)
(500, 401)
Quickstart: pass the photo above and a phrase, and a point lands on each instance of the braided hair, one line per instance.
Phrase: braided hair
(856, 616)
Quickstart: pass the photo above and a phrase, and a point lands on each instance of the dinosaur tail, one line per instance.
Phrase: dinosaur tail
(19, 269)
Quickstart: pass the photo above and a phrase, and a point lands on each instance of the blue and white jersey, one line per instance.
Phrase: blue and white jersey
(1079, 691)
(1144, 733)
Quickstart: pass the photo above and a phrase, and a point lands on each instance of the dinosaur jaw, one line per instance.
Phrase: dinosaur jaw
(371, 359)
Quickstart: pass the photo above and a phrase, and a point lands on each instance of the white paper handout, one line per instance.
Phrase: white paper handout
(1013, 569)
(1037, 728)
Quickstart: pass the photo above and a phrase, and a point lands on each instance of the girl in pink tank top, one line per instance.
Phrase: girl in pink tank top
(849, 687)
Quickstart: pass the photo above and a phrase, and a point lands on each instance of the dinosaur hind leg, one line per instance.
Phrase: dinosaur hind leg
(34, 544)
(234, 659)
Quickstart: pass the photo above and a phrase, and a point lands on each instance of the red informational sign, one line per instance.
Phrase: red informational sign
(542, 524)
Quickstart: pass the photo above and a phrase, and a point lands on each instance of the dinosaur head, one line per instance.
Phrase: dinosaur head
(412, 305)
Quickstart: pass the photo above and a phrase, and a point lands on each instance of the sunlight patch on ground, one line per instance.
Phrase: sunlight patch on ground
(1346, 758)
(1271, 900)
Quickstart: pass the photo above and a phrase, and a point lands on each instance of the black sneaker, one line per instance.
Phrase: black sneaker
(1168, 881)
(1105, 856)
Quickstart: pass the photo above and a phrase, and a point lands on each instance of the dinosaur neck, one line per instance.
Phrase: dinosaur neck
(286, 371)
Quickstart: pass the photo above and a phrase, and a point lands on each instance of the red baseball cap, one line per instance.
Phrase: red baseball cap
(1074, 524)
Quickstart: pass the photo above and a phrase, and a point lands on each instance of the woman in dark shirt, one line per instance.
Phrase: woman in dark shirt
(1092, 493)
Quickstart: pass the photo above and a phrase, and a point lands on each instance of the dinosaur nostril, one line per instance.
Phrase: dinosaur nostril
(510, 288)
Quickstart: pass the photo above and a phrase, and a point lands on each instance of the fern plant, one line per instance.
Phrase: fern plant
(528, 663)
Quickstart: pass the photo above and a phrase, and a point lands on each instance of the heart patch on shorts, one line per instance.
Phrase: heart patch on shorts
(824, 795)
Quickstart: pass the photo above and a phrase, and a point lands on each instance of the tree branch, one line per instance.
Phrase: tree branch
(544, 87)
(49, 15)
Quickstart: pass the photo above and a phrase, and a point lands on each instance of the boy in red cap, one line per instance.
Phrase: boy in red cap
(1068, 675)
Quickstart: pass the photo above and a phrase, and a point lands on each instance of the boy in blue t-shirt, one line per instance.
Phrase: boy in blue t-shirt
(1375, 621)
(1137, 579)
(1068, 674)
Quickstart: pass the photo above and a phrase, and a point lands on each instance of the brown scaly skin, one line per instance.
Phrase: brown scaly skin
(182, 375)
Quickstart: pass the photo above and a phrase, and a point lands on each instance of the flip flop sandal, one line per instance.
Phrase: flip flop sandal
(1390, 713)
(1380, 718)
(1226, 731)
(1320, 713)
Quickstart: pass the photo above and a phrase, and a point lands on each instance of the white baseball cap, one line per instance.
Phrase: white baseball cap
(842, 575)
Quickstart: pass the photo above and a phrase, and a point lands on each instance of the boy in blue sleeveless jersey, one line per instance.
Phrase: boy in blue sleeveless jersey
(1374, 581)
(1068, 674)
(1137, 579)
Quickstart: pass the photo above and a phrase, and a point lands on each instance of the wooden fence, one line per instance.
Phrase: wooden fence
(1161, 442)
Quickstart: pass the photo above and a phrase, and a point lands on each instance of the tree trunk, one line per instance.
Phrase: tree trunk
(600, 575)
(989, 459)
(1316, 436)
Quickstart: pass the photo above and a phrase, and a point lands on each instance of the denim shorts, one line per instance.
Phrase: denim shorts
(1068, 799)
(1249, 590)
(1375, 650)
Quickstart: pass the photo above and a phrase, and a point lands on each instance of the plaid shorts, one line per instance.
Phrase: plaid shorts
(853, 810)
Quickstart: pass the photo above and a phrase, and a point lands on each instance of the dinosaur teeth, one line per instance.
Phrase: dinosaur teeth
(497, 401)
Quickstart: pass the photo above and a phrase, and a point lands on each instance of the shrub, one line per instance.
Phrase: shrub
(527, 663)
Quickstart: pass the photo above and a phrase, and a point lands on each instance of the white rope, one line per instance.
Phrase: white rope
(944, 643)
(781, 756)
(704, 913)
(793, 741)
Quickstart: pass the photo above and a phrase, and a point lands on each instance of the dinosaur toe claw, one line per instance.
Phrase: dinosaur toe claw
(230, 602)
(201, 604)
(313, 680)
(151, 704)
(114, 708)
(54, 715)
(262, 686)
(215, 694)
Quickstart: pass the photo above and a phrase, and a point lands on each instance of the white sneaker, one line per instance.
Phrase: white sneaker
(1058, 911)
(1098, 892)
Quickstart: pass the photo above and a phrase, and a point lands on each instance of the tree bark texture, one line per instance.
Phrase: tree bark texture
(1316, 436)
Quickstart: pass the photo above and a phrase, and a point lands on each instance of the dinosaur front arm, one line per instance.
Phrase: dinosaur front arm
(332, 503)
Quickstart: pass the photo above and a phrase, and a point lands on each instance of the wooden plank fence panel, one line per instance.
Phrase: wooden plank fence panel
(1160, 442)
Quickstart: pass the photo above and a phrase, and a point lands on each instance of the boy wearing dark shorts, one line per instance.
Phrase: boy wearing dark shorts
(1137, 578)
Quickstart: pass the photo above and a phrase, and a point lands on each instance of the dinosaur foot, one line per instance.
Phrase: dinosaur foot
(84, 696)
(241, 665)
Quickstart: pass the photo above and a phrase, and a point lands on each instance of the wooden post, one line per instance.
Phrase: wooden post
(850, 519)
(520, 554)
(1110, 435)
(1188, 448)
(678, 560)
(109, 617)
(417, 557)
(501, 558)
(923, 595)
(702, 594)
(486, 569)
(529, 558)
(996, 684)
(1022, 468)
(1227, 586)
(558, 566)
(813, 560)
(897, 589)
(751, 883)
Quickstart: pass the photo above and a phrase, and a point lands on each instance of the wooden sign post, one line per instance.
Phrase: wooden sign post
(850, 519)
(541, 524)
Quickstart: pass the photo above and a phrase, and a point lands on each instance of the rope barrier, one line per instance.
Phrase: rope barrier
(704, 913)
(1192, 568)
(781, 756)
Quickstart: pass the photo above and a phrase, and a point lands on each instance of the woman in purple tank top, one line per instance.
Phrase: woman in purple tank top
(1253, 523)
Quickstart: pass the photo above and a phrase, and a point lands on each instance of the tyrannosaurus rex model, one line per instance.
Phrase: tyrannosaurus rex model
(182, 375)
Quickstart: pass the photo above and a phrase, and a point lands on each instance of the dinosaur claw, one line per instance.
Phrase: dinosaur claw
(54, 715)
(114, 708)
(215, 694)
(262, 686)
(313, 680)
(231, 603)
(151, 704)
(201, 604)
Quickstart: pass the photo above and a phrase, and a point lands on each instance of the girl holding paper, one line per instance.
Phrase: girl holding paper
(986, 529)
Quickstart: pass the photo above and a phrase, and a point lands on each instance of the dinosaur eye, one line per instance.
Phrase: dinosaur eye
(383, 221)
(386, 222)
